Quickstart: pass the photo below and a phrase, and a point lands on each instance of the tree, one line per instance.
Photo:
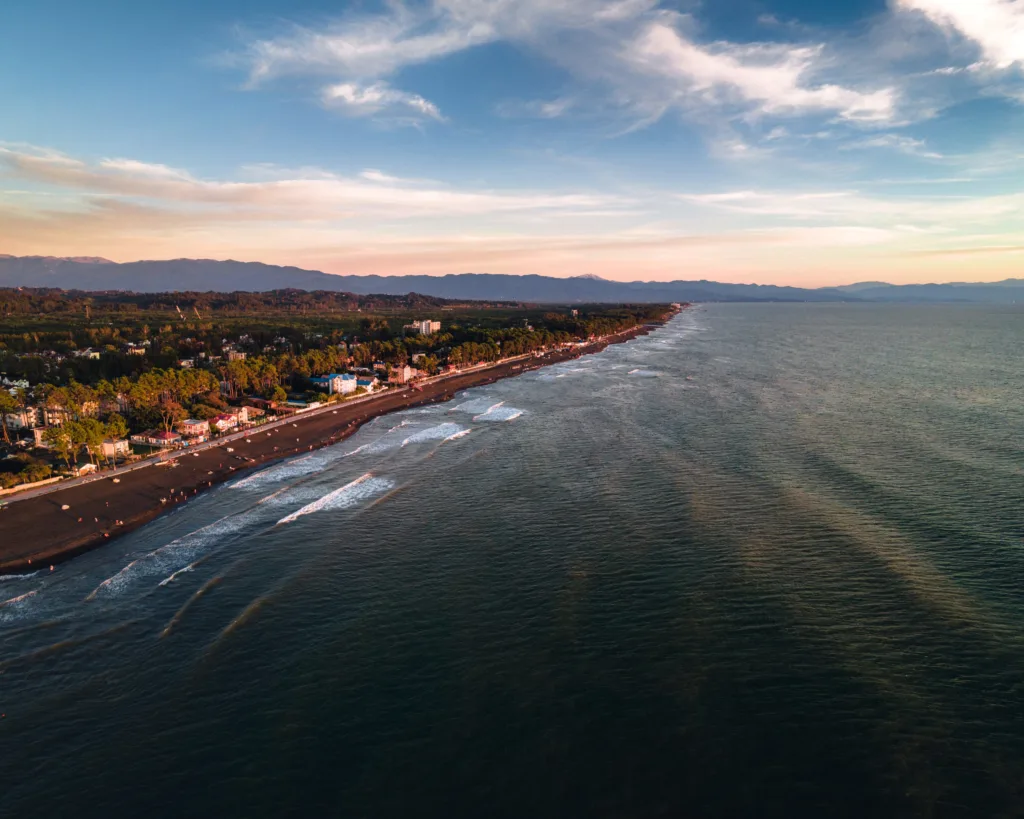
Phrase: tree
(428, 364)
(93, 433)
(170, 412)
(8, 406)
(81, 400)
(60, 441)
(116, 427)
(279, 394)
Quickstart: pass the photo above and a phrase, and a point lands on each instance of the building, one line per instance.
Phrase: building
(235, 355)
(226, 420)
(187, 363)
(424, 327)
(26, 418)
(250, 415)
(13, 385)
(402, 375)
(114, 448)
(335, 383)
(194, 428)
(368, 384)
(160, 439)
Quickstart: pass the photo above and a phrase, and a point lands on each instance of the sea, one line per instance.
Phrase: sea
(767, 561)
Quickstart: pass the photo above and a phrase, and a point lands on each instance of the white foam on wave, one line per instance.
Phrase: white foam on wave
(477, 406)
(298, 468)
(442, 432)
(363, 487)
(191, 567)
(645, 373)
(500, 413)
(15, 607)
(462, 433)
(7, 578)
(185, 549)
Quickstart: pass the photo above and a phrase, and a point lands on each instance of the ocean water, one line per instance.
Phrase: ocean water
(767, 561)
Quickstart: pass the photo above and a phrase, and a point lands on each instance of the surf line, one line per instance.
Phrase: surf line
(191, 567)
(21, 598)
(325, 501)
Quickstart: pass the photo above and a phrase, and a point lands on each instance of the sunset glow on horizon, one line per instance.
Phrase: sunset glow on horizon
(770, 141)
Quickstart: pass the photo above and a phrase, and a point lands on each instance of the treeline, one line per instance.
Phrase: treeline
(46, 301)
(285, 355)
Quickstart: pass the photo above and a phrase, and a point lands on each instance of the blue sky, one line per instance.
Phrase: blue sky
(784, 141)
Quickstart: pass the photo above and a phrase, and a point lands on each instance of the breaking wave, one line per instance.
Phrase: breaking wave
(477, 406)
(187, 549)
(5, 578)
(644, 373)
(363, 487)
(499, 413)
(191, 567)
(283, 472)
(442, 432)
(12, 609)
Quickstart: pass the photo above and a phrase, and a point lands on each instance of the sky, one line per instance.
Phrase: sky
(800, 142)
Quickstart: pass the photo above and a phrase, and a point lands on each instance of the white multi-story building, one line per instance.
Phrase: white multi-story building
(26, 418)
(336, 383)
(424, 327)
(194, 428)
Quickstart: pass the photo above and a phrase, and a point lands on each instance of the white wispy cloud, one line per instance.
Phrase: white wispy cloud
(774, 79)
(995, 26)
(285, 195)
(536, 109)
(897, 142)
(941, 212)
(641, 52)
(379, 100)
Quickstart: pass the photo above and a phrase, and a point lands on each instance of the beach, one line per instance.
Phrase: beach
(37, 532)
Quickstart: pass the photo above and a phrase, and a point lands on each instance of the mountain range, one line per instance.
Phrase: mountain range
(92, 273)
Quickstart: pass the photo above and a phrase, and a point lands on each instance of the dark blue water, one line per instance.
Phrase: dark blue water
(768, 561)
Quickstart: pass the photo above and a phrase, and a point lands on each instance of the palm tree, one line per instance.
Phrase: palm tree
(8, 406)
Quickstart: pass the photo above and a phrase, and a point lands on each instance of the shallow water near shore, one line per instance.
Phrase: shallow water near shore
(767, 561)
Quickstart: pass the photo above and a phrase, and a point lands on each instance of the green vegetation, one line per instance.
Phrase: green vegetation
(55, 337)
(101, 365)
(23, 468)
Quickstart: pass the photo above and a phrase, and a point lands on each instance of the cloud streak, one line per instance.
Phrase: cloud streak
(323, 196)
(378, 100)
(774, 79)
(995, 26)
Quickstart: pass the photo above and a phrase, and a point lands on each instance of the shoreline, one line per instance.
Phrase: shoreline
(101, 511)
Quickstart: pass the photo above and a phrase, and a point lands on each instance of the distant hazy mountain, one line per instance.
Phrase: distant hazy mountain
(87, 273)
(854, 288)
(1007, 291)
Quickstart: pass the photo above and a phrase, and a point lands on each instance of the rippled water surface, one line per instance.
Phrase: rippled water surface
(768, 561)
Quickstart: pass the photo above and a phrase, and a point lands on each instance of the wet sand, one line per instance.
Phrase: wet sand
(36, 533)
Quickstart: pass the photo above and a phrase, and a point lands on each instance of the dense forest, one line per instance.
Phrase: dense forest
(57, 337)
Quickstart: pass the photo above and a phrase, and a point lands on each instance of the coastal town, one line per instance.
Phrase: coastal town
(104, 396)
